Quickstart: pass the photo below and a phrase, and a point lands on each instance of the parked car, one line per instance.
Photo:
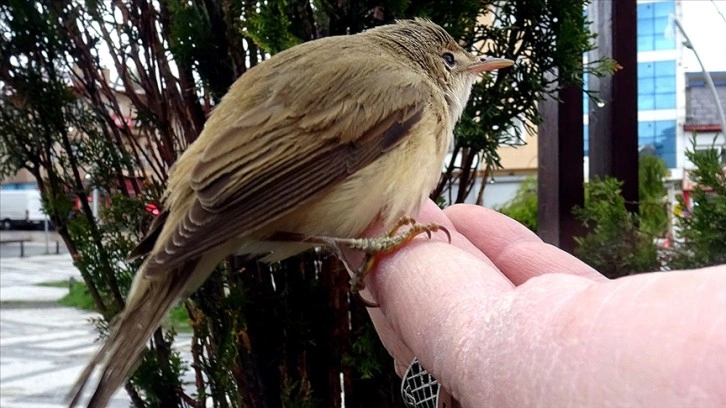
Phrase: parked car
(21, 208)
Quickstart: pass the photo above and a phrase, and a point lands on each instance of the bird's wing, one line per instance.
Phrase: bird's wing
(271, 158)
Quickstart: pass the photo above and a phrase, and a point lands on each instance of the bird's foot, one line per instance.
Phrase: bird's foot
(373, 248)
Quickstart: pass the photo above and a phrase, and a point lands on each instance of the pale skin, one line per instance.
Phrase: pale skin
(502, 319)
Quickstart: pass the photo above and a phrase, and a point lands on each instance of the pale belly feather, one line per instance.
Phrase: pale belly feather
(397, 184)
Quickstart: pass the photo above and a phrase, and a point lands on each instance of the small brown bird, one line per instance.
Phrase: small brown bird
(321, 140)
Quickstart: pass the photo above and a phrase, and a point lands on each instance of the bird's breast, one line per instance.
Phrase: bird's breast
(395, 184)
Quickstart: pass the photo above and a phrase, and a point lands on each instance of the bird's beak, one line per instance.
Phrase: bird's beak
(489, 64)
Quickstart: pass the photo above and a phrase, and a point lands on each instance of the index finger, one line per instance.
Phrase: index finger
(516, 251)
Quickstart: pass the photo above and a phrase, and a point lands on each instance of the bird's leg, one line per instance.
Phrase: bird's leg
(374, 247)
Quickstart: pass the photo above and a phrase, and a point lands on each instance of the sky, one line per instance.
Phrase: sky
(706, 29)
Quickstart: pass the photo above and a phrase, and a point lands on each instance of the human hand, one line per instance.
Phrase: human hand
(502, 319)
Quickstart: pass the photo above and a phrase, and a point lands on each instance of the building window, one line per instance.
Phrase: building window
(657, 85)
(661, 135)
(19, 186)
(652, 25)
(587, 140)
(719, 151)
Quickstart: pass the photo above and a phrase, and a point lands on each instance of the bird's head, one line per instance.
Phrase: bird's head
(427, 47)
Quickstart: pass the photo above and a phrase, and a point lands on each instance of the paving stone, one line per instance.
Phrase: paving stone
(44, 349)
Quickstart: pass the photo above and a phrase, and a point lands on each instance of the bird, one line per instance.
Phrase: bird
(321, 140)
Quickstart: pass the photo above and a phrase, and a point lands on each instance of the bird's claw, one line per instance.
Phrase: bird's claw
(374, 247)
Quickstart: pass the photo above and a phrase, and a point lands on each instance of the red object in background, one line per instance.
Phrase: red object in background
(702, 128)
(153, 209)
(132, 184)
(121, 121)
(77, 202)
(687, 199)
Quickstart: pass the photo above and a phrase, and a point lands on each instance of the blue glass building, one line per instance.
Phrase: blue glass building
(657, 80)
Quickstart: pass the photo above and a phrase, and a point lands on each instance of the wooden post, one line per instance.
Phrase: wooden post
(560, 174)
(614, 126)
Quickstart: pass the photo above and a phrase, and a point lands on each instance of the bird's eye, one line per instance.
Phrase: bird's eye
(449, 59)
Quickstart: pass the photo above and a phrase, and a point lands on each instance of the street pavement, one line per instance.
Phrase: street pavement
(36, 243)
(44, 347)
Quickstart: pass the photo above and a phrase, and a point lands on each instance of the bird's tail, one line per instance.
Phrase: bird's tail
(148, 302)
